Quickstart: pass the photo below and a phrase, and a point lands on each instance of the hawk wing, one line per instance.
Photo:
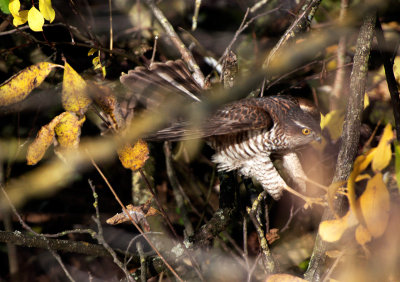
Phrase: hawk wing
(243, 115)
(152, 86)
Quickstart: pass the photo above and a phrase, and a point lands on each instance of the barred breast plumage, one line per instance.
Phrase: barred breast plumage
(244, 133)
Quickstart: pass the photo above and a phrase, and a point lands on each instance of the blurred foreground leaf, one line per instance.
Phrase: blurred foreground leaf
(332, 230)
(375, 205)
(383, 153)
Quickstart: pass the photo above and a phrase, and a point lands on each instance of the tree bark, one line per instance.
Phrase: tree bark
(350, 135)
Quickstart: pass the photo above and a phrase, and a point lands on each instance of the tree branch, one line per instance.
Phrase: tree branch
(350, 135)
(390, 78)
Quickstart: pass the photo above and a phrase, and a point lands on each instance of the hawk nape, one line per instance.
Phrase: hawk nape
(245, 134)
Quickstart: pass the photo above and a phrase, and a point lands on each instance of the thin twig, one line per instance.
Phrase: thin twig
(390, 78)
(27, 227)
(269, 262)
(301, 23)
(162, 210)
(142, 262)
(165, 215)
(100, 238)
(131, 219)
(111, 25)
(350, 135)
(186, 54)
(176, 189)
(339, 85)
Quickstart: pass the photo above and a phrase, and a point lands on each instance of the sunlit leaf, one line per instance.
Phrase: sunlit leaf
(362, 177)
(333, 121)
(42, 141)
(332, 230)
(21, 18)
(362, 235)
(92, 51)
(14, 7)
(20, 85)
(47, 10)
(35, 19)
(134, 157)
(375, 205)
(366, 100)
(383, 153)
(68, 130)
(368, 157)
(74, 97)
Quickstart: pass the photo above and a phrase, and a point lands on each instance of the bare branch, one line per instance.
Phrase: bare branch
(350, 136)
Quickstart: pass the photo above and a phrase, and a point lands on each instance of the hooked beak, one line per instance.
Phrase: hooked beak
(318, 138)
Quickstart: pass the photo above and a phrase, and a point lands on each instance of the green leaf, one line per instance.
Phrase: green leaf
(4, 6)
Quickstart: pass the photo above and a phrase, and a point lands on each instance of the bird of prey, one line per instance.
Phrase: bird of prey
(245, 134)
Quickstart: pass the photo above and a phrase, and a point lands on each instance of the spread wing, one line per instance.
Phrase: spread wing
(152, 86)
(233, 118)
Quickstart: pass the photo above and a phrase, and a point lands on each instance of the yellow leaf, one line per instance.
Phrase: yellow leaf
(366, 100)
(362, 177)
(375, 205)
(362, 235)
(68, 130)
(364, 163)
(134, 157)
(92, 51)
(21, 18)
(96, 62)
(332, 230)
(20, 85)
(14, 6)
(333, 121)
(42, 141)
(73, 96)
(47, 10)
(35, 19)
(383, 153)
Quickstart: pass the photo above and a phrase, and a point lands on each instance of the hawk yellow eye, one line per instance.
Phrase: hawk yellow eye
(306, 131)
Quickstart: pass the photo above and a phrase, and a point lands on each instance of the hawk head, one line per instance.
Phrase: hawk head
(302, 125)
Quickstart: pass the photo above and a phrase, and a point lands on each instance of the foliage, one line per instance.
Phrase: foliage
(172, 194)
